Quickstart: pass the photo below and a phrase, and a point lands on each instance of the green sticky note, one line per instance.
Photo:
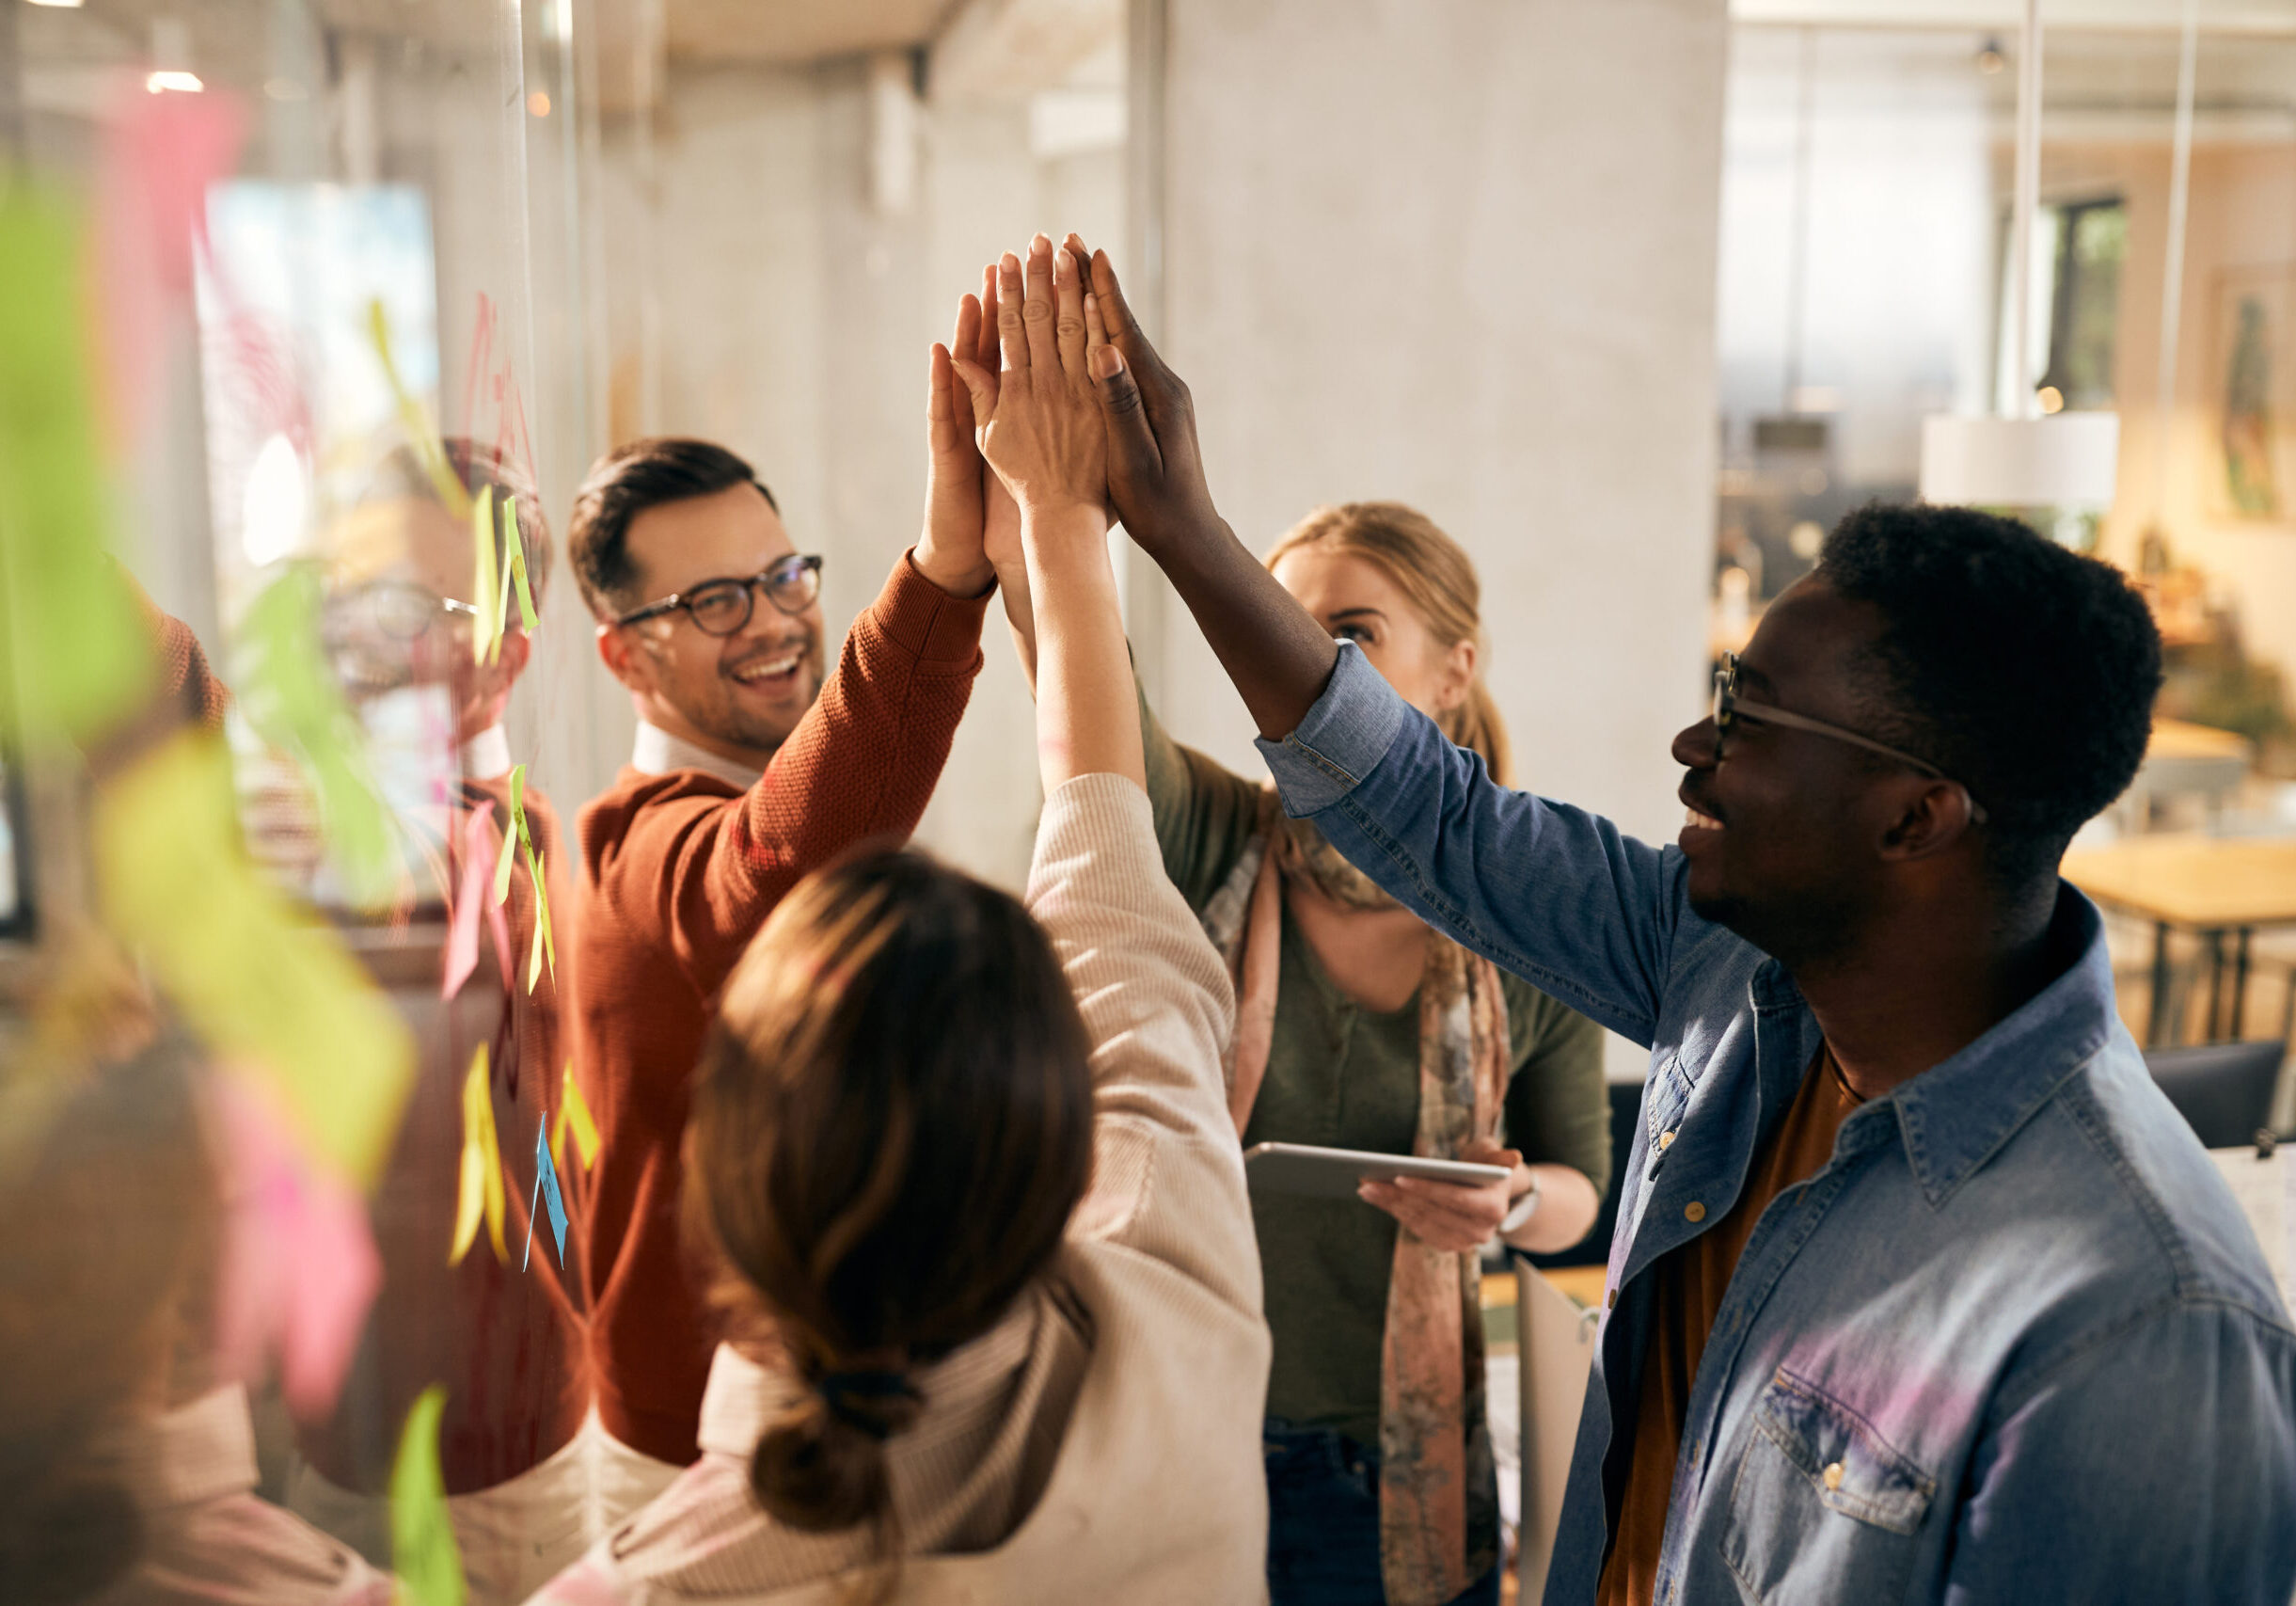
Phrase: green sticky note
(82, 658)
(422, 1550)
(486, 631)
(412, 418)
(499, 620)
(290, 695)
(513, 544)
(262, 984)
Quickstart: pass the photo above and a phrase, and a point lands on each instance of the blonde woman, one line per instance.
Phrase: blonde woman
(1360, 1027)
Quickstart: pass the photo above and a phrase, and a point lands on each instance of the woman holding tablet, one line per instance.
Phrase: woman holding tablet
(1360, 1028)
(967, 1176)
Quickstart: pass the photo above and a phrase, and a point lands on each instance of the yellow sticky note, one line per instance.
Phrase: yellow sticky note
(513, 833)
(259, 981)
(545, 949)
(423, 1552)
(487, 629)
(574, 1114)
(81, 660)
(414, 419)
(516, 549)
(482, 1195)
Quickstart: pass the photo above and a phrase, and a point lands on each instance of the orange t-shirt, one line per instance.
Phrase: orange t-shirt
(1690, 1283)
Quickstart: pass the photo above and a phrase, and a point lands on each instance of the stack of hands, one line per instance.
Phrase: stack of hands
(1051, 416)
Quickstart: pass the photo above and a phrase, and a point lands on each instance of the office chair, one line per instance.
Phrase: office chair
(2222, 1090)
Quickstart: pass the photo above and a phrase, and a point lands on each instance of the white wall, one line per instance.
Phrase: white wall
(1464, 256)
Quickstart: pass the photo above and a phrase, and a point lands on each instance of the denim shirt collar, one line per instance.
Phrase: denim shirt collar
(1958, 1114)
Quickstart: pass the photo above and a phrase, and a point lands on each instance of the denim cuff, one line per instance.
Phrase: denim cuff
(1348, 731)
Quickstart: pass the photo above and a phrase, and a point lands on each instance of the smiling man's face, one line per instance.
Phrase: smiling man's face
(1785, 830)
(739, 695)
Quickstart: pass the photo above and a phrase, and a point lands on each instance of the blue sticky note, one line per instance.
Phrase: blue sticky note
(546, 1192)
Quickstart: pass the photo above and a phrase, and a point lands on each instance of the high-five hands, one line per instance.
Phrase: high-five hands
(1041, 433)
(968, 516)
(1040, 426)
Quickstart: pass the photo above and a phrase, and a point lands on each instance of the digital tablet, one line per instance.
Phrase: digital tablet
(1333, 1173)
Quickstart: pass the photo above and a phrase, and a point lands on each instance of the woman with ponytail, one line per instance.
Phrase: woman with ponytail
(1360, 1027)
(963, 1169)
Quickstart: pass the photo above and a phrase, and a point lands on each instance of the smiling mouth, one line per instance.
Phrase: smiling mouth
(769, 671)
(1693, 821)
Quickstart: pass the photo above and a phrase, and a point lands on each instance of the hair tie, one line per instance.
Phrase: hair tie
(839, 1390)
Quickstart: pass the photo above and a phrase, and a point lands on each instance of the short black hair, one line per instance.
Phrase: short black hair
(624, 484)
(2023, 670)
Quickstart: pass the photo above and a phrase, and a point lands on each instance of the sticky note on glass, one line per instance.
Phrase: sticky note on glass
(261, 984)
(422, 1550)
(480, 1195)
(486, 636)
(81, 659)
(420, 435)
(515, 548)
(546, 1190)
(573, 1115)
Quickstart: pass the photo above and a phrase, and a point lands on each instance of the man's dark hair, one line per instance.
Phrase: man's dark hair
(402, 474)
(2021, 669)
(624, 484)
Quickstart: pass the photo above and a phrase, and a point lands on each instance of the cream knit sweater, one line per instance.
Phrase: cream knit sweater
(1101, 1444)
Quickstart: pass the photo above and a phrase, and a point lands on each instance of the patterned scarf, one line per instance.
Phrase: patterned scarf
(1438, 1519)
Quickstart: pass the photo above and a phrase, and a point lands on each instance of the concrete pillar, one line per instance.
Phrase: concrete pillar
(1462, 255)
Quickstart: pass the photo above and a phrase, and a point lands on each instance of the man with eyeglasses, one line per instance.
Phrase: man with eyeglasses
(751, 769)
(505, 1341)
(1921, 1290)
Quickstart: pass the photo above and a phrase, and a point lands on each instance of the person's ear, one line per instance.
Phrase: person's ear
(1457, 677)
(635, 670)
(1928, 818)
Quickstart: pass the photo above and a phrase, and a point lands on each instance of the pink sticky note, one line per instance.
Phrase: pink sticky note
(472, 900)
(160, 153)
(469, 898)
(299, 1267)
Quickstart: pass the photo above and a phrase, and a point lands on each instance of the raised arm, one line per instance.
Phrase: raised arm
(1167, 1180)
(1553, 894)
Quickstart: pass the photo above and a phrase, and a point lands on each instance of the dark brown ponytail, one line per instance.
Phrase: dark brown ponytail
(891, 1126)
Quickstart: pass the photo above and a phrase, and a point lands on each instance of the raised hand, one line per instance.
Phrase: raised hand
(1276, 654)
(1041, 420)
(1155, 473)
(1043, 434)
(953, 551)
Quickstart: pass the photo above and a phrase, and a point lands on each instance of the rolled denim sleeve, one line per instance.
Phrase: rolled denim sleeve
(1555, 895)
(2158, 1465)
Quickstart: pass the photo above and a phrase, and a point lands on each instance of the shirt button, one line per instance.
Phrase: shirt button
(1694, 1212)
(1833, 1475)
(1666, 1141)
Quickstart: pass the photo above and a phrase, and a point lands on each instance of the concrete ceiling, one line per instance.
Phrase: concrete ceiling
(796, 30)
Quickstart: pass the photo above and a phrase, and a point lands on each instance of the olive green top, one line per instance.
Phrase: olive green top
(1348, 1077)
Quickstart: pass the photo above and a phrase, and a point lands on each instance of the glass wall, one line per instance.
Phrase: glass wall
(312, 315)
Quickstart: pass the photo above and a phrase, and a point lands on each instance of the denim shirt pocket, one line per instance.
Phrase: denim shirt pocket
(1823, 1508)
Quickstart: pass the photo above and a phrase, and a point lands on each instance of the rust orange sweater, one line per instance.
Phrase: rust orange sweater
(678, 871)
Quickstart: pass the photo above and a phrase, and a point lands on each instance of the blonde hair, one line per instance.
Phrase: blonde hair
(1438, 576)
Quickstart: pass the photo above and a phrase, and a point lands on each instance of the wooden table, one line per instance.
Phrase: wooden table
(2212, 886)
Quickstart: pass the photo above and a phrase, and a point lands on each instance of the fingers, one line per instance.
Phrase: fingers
(1096, 337)
(1068, 316)
(941, 427)
(980, 385)
(1011, 342)
(1433, 1225)
(967, 340)
(1130, 442)
(985, 353)
(1037, 312)
(1122, 327)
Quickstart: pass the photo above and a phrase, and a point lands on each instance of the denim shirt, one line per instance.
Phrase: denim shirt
(2014, 1342)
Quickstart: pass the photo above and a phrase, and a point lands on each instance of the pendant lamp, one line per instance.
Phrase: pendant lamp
(2066, 460)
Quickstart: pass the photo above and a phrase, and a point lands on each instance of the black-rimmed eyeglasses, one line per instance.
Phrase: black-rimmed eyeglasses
(1728, 708)
(723, 607)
